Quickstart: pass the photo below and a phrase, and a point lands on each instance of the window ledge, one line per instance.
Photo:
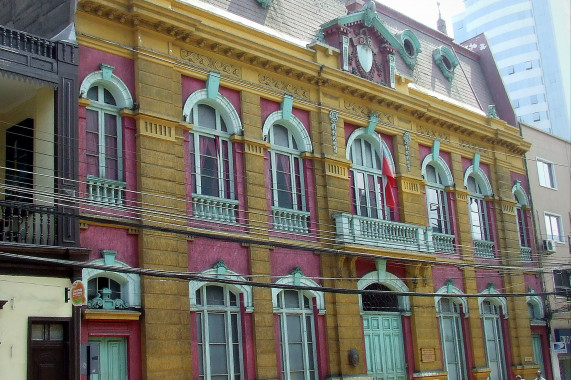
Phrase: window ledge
(124, 315)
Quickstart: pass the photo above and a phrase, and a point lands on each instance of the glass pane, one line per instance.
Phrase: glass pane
(199, 297)
(235, 326)
(206, 116)
(293, 328)
(356, 152)
(93, 93)
(56, 332)
(108, 98)
(233, 299)
(214, 295)
(209, 166)
(291, 299)
(368, 155)
(37, 331)
(218, 360)
(295, 357)
(216, 328)
(431, 174)
(283, 180)
(199, 327)
(280, 135)
(92, 289)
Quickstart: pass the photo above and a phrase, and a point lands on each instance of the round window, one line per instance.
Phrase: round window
(409, 48)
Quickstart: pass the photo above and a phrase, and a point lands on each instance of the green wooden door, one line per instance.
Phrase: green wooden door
(384, 346)
(537, 354)
(113, 358)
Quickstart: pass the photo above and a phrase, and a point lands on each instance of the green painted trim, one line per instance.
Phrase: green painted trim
(106, 71)
(108, 256)
(287, 106)
(409, 35)
(435, 149)
(476, 162)
(439, 54)
(265, 3)
(375, 22)
(212, 85)
(373, 120)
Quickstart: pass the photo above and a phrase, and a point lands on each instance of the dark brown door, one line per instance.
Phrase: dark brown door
(48, 350)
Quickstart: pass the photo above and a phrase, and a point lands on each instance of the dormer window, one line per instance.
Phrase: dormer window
(445, 58)
(410, 47)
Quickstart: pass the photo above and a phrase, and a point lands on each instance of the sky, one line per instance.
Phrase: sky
(426, 11)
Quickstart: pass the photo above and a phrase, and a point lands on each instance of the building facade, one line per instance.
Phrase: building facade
(39, 331)
(523, 36)
(263, 195)
(548, 163)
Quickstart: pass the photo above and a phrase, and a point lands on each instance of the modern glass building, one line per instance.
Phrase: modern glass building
(524, 36)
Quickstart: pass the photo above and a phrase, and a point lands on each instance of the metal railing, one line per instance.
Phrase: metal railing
(27, 223)
(525, 254)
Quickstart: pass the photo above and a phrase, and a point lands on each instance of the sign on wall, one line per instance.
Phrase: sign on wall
(78, 294)
(562, 341)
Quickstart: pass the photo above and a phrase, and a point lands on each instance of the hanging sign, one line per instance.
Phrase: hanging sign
(78, 294)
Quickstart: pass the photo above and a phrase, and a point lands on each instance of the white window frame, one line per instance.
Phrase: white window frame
(203, 328)
(479, 218)
(222, 136)
(102, 109)
(546, 174)
(294, 158)
(560, 237)
(130, 282)
(379, 208)
(302, 313)
(442, 204)
(494, 317)
(455, 316)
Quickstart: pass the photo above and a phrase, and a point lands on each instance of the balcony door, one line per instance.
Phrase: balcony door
(20, 161)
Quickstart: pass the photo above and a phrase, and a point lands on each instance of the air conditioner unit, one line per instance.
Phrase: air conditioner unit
(549, 246)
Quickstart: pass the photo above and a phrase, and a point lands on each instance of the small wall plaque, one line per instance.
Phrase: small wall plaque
(427, 355)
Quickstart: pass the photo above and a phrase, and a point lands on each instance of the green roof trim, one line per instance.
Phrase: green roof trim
(446, 60)
(370, 19)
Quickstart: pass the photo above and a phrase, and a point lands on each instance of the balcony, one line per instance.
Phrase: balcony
(443, 242)
(288, 220)
(213, 209)
(484, 248)
(525, 254)
(27, 223)
(105, 190)
(385, 234)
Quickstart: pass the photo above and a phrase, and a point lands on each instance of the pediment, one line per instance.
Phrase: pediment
(367, 47)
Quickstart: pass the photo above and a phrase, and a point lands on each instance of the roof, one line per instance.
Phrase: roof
(302, 20)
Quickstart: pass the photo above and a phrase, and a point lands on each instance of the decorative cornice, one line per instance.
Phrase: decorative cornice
(126, 315)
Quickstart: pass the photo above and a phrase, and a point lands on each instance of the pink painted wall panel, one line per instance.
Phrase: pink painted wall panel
(203, 253)
(283, 260)
(116, 239)
(442, 273)
(90, 60)
(190, 85)
(485, 277)
(532, 281)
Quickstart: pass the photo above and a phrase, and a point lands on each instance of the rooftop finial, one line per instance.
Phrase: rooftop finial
(440, 24)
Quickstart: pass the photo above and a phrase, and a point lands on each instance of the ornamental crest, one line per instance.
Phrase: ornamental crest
(364, 51)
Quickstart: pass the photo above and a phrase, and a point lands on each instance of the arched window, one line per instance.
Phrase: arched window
(219, 335)
(103, 135)
(288, 139)
(297, 335)
(493, 339)
(438, 176)
(107, 95)
(369, 184)
(436, 204)
(211, 161)
(448, 311)
(286, 170)
(522, 221)
(478, 213)
(213, 189)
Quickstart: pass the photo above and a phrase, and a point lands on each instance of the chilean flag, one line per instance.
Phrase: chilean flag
(389, 194)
